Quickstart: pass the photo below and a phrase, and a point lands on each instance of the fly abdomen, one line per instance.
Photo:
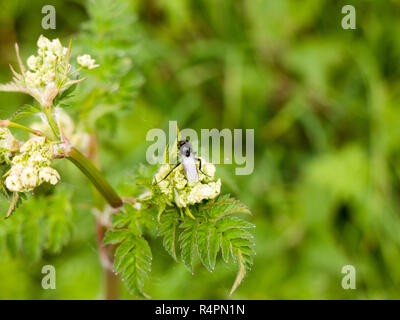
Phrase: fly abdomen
(189, 166)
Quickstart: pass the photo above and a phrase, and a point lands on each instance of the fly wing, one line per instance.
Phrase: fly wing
(189, 166)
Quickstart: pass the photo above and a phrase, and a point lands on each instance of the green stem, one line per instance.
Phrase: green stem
(52, 122)
(6, 123)
(95, 176)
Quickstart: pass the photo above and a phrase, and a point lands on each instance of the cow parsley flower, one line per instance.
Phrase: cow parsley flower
(86, 61)
(178, 190)
(13, 183)
(47, 73)
(31, 167)
(48, 174)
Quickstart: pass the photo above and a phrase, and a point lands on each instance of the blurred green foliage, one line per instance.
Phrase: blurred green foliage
(324, 105)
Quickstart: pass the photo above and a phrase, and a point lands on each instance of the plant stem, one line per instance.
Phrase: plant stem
(111, 281)
(112, 285)
(106, 252)
(87, 167)
(52, 123)
(95, 176)
(7, 123)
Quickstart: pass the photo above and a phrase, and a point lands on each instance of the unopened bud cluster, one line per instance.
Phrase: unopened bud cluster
(49, 71)
(177, 188)
(31, 167)
(86, 61)
(48, 65)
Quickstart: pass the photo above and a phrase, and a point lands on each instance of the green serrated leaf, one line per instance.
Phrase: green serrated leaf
(133, 263)
(187, 240)
(66, 93)
(161, 210)
(123, 217)
(235, 234)
(231, 222)
(23, 111)
(240, 242)
(41, 224)
(230, 233)
(119, 220)
(225, 248)
(241, 272)
(214, 242)
(15, 202)
(123, 249)
(202, 241)
(114, 236)
(168, 230)
(224, 206)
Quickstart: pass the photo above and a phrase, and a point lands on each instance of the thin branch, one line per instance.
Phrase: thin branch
(21, 66)
(8, 123)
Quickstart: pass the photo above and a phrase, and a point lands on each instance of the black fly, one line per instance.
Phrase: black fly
(188, 161)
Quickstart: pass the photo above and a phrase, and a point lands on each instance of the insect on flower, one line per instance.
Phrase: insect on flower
(188, 161)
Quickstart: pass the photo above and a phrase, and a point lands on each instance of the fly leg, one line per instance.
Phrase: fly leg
(199, 160)
(177, 165)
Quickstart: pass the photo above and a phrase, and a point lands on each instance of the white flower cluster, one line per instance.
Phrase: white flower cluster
(7, 144)
(178, 189)
(49, 72)
(32, 167)
(86, 61)
(50, 63)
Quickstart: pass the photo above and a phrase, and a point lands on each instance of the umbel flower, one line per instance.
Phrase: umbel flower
(178, 190)
(31, 167)
(47, 74)
(86, 61)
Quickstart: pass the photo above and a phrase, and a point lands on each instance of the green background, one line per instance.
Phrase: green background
(324, 104)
